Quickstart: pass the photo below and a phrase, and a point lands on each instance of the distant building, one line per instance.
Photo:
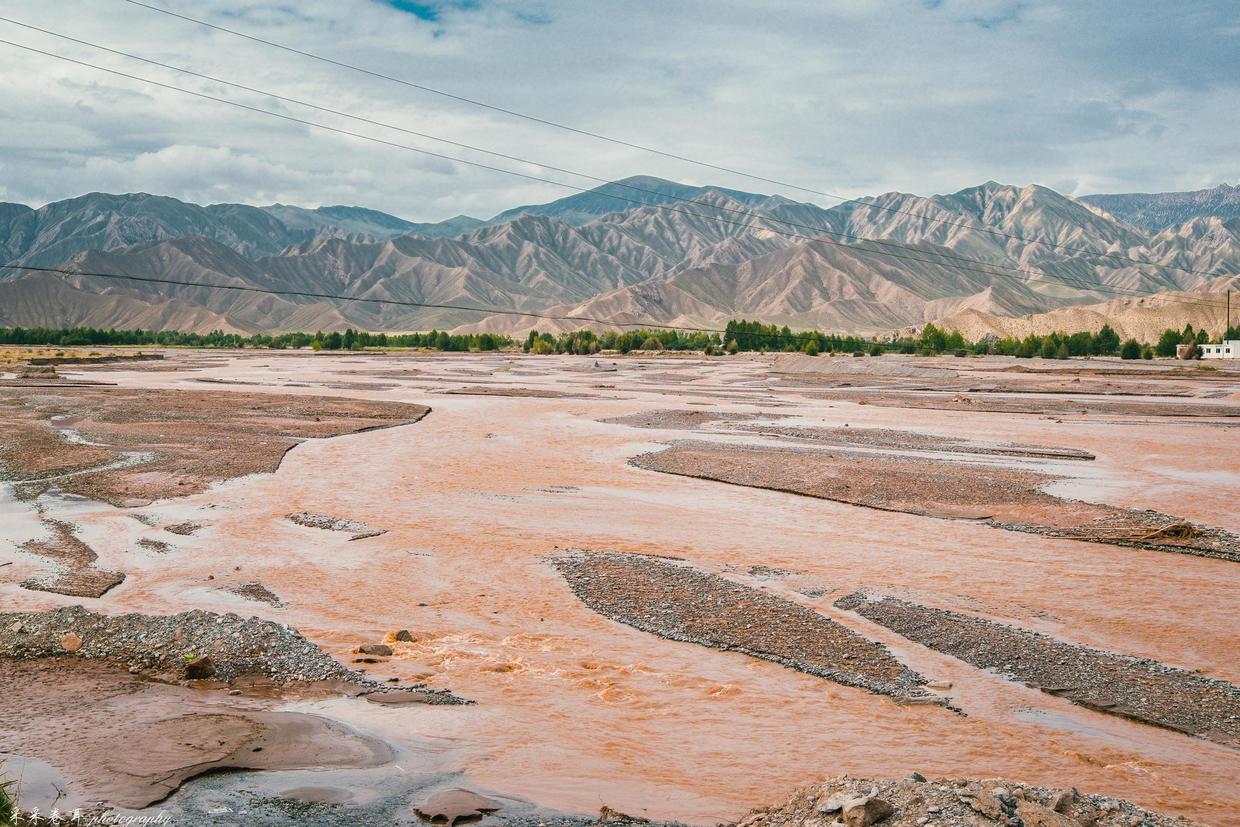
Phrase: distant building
(1229, 349)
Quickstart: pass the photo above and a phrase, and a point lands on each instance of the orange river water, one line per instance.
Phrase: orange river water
(574, 710)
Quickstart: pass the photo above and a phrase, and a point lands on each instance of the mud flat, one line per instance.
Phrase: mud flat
(677, 602)
(1008, 498)
(918, 802)
(76, 574)
(682, 420)
(129, 741)
(1137, 688)
(1047, 406)
(891, 439)
(505, 390)
(187, 439)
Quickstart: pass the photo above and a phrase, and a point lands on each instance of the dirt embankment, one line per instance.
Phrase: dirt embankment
(676, 602)
(1137, 688)
(163, 443)
(918, 802)
(1007, 498)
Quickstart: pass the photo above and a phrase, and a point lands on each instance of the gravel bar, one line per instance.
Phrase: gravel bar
(235, 646)
(677, 602)
(1140, 689)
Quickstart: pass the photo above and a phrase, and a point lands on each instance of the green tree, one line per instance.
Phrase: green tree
(1167, 343)
(1107, 341)
(811, 347)
(1131, 349)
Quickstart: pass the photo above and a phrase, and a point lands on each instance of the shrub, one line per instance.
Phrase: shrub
(1130, 349)
(876, 349)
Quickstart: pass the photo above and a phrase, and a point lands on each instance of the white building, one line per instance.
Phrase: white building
(1229, 349)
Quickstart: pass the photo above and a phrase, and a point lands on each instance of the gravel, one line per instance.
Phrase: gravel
(236, 646)
(1137, 688)
(892, 439)
(357, 528)
(917, 802)
(677, 602)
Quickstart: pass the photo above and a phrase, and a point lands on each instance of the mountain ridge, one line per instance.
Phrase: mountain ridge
(867, 266)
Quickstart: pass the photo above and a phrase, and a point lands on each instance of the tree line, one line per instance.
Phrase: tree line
(738, 336)
(335, 340)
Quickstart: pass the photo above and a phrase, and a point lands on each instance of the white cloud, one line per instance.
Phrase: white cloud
(850, 97)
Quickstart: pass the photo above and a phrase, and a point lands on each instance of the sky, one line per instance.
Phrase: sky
(851, 97)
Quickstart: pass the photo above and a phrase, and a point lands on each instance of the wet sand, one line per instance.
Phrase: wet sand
(575, 710)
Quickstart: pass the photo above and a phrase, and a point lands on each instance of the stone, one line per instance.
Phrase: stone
(938, 684)
(1035, 815)
(199, 668)
(835, 803)
(403, 636)
(1062, 800)
(916, 776)
(71, 642)
(381, 649)
(862, 812)
(16, 627)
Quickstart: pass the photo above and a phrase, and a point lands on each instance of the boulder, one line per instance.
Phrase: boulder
(1035, 815)
(403, 636)
(381, 649)
(862, 812)
(71, 642)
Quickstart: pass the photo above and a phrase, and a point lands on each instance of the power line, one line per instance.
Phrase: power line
(495, 311)
(992, 268)
(653, 150)
(743, 212)
(746, 213)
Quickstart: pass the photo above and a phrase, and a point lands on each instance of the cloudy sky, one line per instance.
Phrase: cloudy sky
(848, 96)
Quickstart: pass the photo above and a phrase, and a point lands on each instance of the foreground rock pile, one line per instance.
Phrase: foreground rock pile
(193, 644)
(916, 802)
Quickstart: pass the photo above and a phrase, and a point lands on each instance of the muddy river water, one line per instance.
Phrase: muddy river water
(575, 711)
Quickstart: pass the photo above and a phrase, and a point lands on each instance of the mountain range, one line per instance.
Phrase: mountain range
(637, 250)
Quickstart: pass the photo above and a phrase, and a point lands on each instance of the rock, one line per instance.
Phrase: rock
(1062, 800)
(403, 636)
(199, 668)
(916, 776)
(71, 642)
(1035, 815)
(16, 627)
(938, 684)
(381, 649)
(862, 812)
(835, 803)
